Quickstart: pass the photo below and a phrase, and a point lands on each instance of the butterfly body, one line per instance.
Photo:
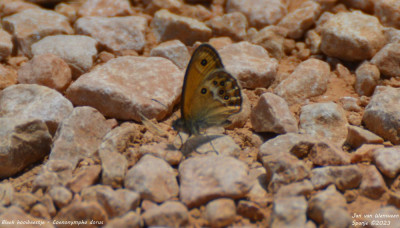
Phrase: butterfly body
(209, 95)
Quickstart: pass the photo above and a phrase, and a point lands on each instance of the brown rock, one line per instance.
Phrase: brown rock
(91, 212)
(8, 76)
(366, 6)
(324, 154)
(266, 12)
(327, 120)
(298, 144)
(250, 210)
(387, 160)
(23, 142)
(372, 183)
(289, 212)
(67, 10)
(358, 136)
(209, 177)
(76, 50)
(272, 114)
(382, 115)
(367, 76)
(300, 20)
(115, 202)
(313, 41)
(34, 102)
(259, 182)
(337, 217)
(54, 173)
(105, 8)
(115, 33)
(250, 64)
(220, 212)
(388, 12)
(84, 177)
(61, 196)
(302, 188)
(129, 220)
(6, 44)
(47, 201)
(388, 59)
(24, 200)
(47, 70)
(285, 168)
(364, 153)
(31, 25)
(153, 6)
(153, 178)
(359, 35)
(350, 104)
(216, 144)
(169, 26)
(164, 151)
(309, 79)
(233, 25)
(272, 38)
(173, 50)
(114, 165)
(323, 201)
(79, 135)
(125, 85)
(170, 214)
(9, 7)
(6, 194)
(344, 177)
(40, 211)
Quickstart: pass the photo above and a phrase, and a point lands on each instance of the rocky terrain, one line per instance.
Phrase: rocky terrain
(315, 145)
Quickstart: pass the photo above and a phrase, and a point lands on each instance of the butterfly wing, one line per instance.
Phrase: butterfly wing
(217, 97)
(205, 59)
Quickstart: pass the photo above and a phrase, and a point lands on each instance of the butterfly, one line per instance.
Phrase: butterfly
(210, 94)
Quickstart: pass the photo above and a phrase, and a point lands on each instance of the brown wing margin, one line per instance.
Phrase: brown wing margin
(199, 72)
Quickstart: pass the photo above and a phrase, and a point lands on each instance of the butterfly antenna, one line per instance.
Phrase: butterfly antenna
(164, 106)
(212, 145)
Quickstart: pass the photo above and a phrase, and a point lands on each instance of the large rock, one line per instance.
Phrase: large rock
(272, 114)
(35, 101)
(6, 44)
(105, 8)
(300, 20)
(309, 79)
(31, 25)
(22, 143)
(382, 114)
(8, 76)
(115, 33)
(113, 163)
(115, 202)
(168, 214)
(48, 70)
(125, 86)
(388, 60)
(79, 135)
(358, 35)
(169, 26)
(250, 64)
(206, 178)
(327, 120)
(259, 13)
(153, 178)
(76, 50)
